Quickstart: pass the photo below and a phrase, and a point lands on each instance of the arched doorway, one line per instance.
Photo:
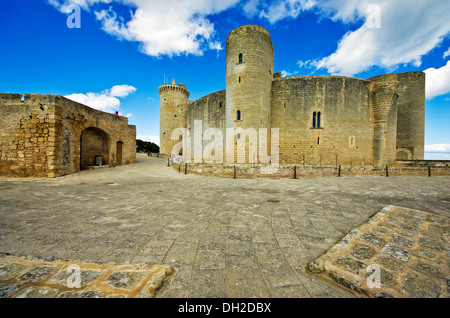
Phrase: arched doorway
(94, 147)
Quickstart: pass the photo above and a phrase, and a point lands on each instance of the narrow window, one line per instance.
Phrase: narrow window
(238, 115)
(239, 79)
(240, 58)
(238, 136)
(220, 105)
(314, 120)
(318, 120)
(318, 140)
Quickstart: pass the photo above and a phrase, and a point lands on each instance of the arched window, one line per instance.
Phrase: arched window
(316, 120)
(241, 58)
(238, 117)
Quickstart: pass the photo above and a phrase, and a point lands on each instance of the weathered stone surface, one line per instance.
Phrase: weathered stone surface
(372, 239)
(420, 287)
(10, 270)
(85, 294)
(126, 280)
(37, 292)
(390, 263)
(428, 255)
(86, 276)
(396, 252)
(402, 241)
(363, 252)
(349, 264)
(316, 266)
(7, 290)
(427, 269)
(347, 283)
(432, 243)
(38, 274)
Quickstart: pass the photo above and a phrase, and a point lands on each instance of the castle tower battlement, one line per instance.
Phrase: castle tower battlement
(173, 110)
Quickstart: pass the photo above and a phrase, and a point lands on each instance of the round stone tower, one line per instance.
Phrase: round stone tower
(249, 75)
(173, 113)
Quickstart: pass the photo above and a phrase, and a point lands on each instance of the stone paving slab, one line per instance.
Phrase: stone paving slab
(223, 237)
(29, 277)
(398, 253)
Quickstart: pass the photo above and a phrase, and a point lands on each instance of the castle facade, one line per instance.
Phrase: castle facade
(319, 120)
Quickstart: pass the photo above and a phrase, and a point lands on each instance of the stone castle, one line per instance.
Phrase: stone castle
(322, 120)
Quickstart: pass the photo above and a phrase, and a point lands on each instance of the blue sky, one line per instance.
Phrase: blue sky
(126, 48)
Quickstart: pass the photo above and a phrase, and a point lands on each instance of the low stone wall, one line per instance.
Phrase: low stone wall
(249, 171)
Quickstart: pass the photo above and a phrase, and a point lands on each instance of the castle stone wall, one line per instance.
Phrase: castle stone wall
(41, 135)
(345, 135)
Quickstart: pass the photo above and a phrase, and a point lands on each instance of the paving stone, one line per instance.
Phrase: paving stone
(402, 241)
(363, 252)
(126, 280)
(420, 287)
(427, 269)
(438, 220)
(86, 277)
(346, 240)
(7, 290)
(372, 239)
(11, 270)
(428, 255)
(349, 264)
(390, 263)
(396, 252)
(37, 292)
(85, 294)
(432, 243)
(342, 280)
(38, 274)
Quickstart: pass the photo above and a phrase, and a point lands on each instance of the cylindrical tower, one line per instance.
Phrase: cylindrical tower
(383, 96)
(173, 112)
(249, 75)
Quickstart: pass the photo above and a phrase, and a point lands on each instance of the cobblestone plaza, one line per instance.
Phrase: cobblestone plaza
(195, 236)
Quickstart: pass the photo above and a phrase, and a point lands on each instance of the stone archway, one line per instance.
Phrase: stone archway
(404, 154)
(94, 148)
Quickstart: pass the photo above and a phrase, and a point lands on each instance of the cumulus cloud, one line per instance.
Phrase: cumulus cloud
(407, 33)
(107, 101)
(161, 27)
(437, 81)
(438, 148)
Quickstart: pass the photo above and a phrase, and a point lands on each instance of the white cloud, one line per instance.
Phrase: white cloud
(122, 90)
(286, 73)
(438, 148)
(447, 53)
(154, 139)
(161, 27)
(407, 33)
(437, 156)
(107, 101)
(278, 10)
(437, 81)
